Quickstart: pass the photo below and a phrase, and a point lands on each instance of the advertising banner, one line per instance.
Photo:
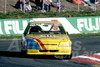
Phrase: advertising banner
(12, 26)
(85, 24)
(72, 25)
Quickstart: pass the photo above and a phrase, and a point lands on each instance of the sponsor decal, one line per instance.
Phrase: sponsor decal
(47, 36)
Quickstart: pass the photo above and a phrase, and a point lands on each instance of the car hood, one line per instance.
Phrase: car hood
(49, 38)
(50, 42)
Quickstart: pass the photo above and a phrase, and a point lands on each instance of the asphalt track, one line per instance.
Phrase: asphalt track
(10, 55)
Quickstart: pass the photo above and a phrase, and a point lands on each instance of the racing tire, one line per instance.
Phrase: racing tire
(60, 56)
(23, 50)
(69, 57)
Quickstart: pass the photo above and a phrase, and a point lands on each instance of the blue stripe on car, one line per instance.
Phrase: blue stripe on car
(32, 44)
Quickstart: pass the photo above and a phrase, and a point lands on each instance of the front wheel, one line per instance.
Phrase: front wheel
(68, 57)
(23, 50)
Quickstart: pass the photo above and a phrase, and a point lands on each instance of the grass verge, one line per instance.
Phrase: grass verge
(10, 36)
(84, 35)
(71, 36)
(15, 15)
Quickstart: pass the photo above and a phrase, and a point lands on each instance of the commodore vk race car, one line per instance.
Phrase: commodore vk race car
(46, 38)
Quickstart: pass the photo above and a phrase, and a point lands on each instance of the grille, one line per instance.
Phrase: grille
(48, 50)
(48, 44)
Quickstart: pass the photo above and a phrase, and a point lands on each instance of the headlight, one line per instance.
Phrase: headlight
(65, 44)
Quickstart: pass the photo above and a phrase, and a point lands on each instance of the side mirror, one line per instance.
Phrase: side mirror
(67, 33)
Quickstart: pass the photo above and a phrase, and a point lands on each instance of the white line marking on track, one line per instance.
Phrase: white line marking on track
(97, 54)
(88, 58)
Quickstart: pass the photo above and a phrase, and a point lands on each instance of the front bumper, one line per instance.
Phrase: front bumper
(49, 52)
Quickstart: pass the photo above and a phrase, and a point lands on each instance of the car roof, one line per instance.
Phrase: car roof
(45, 22)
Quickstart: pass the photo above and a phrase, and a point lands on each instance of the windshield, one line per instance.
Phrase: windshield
(43, 28)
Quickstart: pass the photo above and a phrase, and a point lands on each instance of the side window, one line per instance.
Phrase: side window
(35, 29)
(62, 30)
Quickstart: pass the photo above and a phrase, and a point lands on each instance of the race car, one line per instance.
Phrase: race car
(46, 38)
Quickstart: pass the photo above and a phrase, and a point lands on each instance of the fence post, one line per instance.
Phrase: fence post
(24, 5)
(78, 6)
(95, 6)
(5, 2)
(21, 7)
(43, 6)
(59, 5)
